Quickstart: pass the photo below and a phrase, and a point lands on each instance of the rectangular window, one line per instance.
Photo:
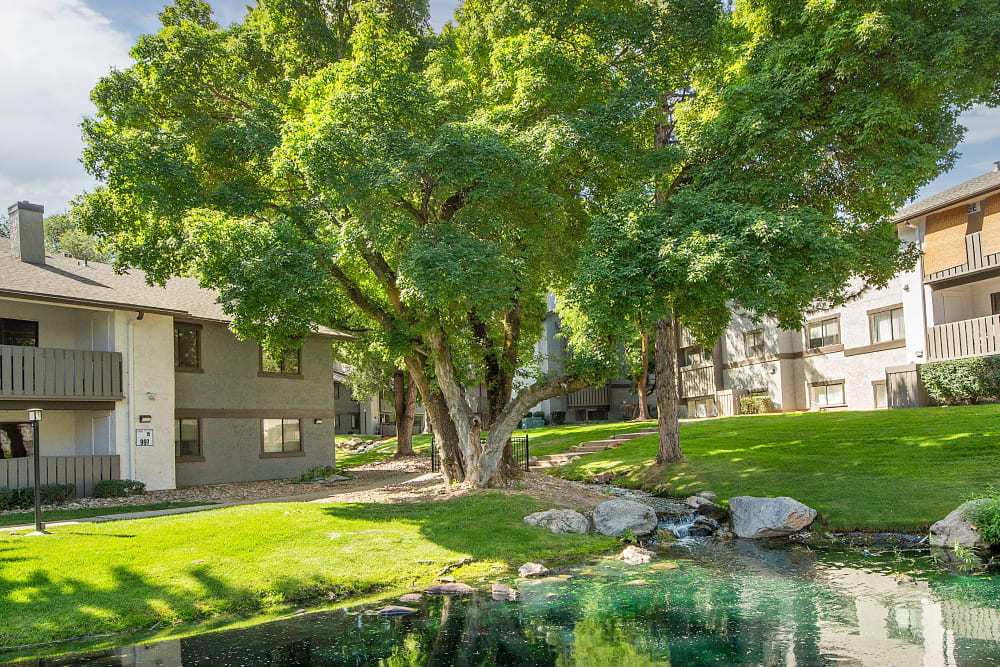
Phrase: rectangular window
(753, 344)
(281, 436)
(23, 333)
(823, 332)
(887, 325)
(187, 346)
(336, 391)
(187, 439)
(694, 356)
(881, 395)
(995, 303)
(282, 363)
(16, 440)
(822, 395)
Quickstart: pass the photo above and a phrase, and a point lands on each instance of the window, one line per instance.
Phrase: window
(187, 346)
(16, 440)
(18, 332)
(693, 356)
(282, 363)
(336, 391)
(823, 332)
(995, 303)
(753, 344)
(281, 437)
(187, 439)
(822, 395)
(887, 325)
(881, 394)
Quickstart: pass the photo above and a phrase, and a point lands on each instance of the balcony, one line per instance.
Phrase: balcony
(697, 381)
(975, 261)
(589, 398)
(44, 373)
(977, 337)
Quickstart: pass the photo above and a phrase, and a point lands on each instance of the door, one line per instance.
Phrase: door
(15, 440)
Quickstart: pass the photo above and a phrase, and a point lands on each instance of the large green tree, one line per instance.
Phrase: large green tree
(783, 159)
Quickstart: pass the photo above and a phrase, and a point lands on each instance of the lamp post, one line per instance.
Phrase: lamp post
(35, 416)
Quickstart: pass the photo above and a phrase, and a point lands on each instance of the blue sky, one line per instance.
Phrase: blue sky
(54, 51)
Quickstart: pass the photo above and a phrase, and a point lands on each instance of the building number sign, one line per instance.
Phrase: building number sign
(144, 437)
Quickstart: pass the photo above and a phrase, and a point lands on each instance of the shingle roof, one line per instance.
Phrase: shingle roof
(962, 191)
(67, 280)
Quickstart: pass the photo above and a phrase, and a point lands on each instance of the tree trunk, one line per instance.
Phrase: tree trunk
(667, 400)
(445, 434)
(643, 403)
(500, 364)
(404, 400)
(467, 423)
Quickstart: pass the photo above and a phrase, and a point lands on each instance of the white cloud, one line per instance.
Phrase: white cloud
(51, 56)
(982, 123)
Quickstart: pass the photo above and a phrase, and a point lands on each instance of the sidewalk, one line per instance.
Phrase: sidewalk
(329, 493)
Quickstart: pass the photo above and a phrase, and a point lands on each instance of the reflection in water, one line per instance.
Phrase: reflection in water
(738, 603)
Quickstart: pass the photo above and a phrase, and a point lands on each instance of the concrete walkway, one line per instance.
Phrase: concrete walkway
(329, 493)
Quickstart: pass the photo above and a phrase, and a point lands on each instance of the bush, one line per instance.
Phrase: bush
(50, 494)
(539, 414)
(985, 515)
(962, 380)
(558, 417)
(756, 404)
(118, 488)
(314, 473)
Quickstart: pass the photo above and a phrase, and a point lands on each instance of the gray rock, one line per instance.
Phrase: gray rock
(634, 555)
(707, 495)
(449, 589)
(694, 502)
(616, 516)
(411, 597)
(560, 521)
(755, 518)
(532, 570)
(712, 511)
(956, 529)
(391, 610)
(703, 526)
(504, 592)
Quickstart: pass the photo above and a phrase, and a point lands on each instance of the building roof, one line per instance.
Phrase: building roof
(971, 188)
(68, 280)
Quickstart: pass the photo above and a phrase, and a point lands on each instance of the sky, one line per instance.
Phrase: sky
(54, 51)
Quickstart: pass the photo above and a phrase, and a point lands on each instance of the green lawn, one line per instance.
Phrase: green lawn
(888, 470)
(381, 452)
(21, 518)
(125, 575)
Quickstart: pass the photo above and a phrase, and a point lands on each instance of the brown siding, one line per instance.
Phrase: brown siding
(945, 240)
(991, 225)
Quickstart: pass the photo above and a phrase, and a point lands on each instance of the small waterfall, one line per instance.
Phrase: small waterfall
(673, 516)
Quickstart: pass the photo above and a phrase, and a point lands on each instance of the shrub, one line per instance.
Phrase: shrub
(8, 499)
(558, 417)
(756, 404)
(118, 488)
(314, 473)
(962, 380)
(49, 494)
(539, 414)
(985, 515)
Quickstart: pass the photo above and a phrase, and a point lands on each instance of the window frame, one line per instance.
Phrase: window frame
(888, 310)
(189, 458)
(3, 333)
(301, 451)
(823, 321)
(746, 346)
(197, 328)
(273, 374)
(826, 384)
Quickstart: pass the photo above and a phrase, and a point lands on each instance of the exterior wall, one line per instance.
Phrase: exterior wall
(64, 327)
(230, 397)
(70, 432)
(964, 302)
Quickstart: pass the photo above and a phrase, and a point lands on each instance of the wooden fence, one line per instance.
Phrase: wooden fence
(697, 381)
(50, 373)
(82, 471)
(967, 338)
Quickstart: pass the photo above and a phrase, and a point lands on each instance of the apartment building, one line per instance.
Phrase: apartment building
(145, 382)
(372, 415)
(867, 353)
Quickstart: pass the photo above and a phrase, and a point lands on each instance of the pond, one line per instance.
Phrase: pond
(702, 602)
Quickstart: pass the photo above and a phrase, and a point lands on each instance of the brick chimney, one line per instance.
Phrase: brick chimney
(27, 234)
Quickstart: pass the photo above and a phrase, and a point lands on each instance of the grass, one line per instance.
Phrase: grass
(896, 470)
(253, 559)
(385, 450)
(22, 518)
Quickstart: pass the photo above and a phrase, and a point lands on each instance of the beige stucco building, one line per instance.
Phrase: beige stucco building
(145, 382)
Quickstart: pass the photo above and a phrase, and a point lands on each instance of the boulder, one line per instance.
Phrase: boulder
(532, 570)
(392, 610)
(634, 555)
(449, 589)
(769, 517)
(707, 495)
(956, 529)
(411, 597)
(694, 502)
(560, 521)
(504, 592)
(703, 526)
(603, 477)
(712, 511)
(614, 517)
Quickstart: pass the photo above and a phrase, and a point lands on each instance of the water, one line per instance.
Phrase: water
(717, 602)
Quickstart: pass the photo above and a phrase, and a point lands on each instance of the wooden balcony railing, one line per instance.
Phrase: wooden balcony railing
(977, 337)
(82, 471)
(697, 381)
(589, 398)
(53, 374)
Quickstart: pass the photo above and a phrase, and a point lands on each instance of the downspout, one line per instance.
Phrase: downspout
(129, 346)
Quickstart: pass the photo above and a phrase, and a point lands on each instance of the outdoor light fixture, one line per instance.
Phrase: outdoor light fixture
(317, 421)
(35, 416)
(145, 419)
